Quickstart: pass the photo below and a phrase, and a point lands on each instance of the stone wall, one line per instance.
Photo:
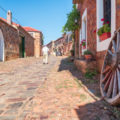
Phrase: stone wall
(117, 14)
(83, 65)
(100, 59)
(37, 44)
(29, 42)
(11, 40)
(91, 23)
(67, 48)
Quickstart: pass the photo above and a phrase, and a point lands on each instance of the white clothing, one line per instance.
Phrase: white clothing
(45, 50)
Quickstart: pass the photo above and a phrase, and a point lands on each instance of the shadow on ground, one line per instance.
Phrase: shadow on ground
(99, 110)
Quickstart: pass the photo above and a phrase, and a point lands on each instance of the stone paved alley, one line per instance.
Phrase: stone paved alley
(30, 90)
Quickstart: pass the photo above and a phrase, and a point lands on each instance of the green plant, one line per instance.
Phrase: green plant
(104, 29)
(87, 52)
(71, 17)
(90, 73)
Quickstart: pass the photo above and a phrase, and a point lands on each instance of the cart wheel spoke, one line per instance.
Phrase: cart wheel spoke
(118, 76)
(109, 92)
(107, 83)
(110, 52)
(114, 86)
(118, 41)
(106, 76)
(107, 68)
(114, 46)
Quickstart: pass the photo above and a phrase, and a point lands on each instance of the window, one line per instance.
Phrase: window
(107, 11)
(31, 34)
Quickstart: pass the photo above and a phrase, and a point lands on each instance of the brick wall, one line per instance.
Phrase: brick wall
(91, 27)
(77, 44)
(29, 42)
(11, 40)
(67, 48)
(100, 59)
(91, 23)
(37, 44)
(117, 14)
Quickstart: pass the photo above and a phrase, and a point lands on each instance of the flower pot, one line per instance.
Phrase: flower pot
(88, 57)
(72, 53)
(84, 47)
(105, 36)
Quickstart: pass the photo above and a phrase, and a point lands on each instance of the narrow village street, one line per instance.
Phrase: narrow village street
(30, 90)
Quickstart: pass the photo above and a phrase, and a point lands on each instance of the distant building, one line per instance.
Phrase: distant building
(63, 45)
(37, 35)
(15, 42)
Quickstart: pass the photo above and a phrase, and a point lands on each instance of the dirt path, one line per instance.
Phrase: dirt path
(67, 95)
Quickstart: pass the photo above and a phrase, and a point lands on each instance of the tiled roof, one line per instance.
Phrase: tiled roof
(6, 21)
(29, 29)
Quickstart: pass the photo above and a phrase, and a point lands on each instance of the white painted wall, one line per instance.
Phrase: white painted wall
(1, 46)
(103, 45)
(84, 28)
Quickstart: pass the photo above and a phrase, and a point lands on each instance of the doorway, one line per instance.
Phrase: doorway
(22, 47)
(1, 46)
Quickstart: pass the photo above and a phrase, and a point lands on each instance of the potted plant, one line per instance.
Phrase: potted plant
(72, 52)
(88, 54)
(83, 42)
(105, 31)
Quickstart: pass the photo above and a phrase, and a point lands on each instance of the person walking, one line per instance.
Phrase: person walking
(45, 52)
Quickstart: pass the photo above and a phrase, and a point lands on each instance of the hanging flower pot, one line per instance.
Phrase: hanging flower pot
(83, 42)
(105, 36)
(84, 47)
(105, 31)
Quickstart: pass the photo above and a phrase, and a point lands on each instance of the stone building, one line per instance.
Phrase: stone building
(63, 44)
(15, 42)
(67, 44)
(38, 36)
(92, 12)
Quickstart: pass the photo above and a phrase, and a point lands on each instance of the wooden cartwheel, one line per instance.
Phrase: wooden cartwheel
(110, 74)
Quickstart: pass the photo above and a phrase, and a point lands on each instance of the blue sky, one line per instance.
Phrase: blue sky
(46, 15)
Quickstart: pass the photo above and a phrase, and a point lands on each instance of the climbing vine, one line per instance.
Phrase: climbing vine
(71, 17)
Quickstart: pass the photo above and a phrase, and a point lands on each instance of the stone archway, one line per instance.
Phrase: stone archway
(1, 46)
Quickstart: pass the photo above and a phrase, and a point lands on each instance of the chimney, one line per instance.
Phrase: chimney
(9, 17)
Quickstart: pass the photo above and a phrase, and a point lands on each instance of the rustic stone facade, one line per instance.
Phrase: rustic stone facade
(38, 44)
(29, 41)
(91, 26)
(63, 44)
(11, 41)
(13, 35)
(117, 14)
(83, 65)
(37, 35)
(91, 7)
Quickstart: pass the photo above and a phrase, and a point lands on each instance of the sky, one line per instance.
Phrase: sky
(48, 16)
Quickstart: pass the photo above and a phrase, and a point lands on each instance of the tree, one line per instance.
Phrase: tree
(71, 17)
(42, 40)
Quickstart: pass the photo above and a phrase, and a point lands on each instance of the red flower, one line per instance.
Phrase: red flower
(95, 31)
(108, 22)
(102, 19)
(104, 23)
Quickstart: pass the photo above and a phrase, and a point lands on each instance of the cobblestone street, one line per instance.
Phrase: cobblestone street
(19, 80)
(30, 90)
